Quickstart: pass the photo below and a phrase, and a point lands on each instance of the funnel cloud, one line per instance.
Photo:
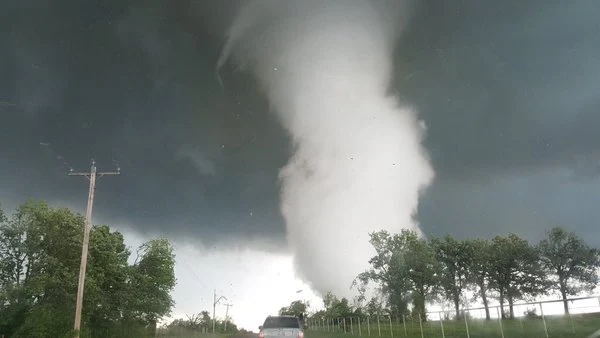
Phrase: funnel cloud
(357, 162)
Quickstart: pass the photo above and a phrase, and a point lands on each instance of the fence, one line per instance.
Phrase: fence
(539, 319)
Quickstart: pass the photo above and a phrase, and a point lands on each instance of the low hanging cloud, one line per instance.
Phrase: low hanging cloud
(200, 161)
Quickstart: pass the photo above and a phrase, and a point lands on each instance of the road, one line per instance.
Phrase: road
(245, 335)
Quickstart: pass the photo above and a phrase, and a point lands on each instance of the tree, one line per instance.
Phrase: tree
(516, 271)
(40, 252)
(453, 258)
(338, 308)
(329, 300)
(404, 266)
(374, 307)
(571, 261)
(40, 248)
(152, 278)
(478, 253)
(205, 321)
(106, 281)
(197, 324)
(295, 308)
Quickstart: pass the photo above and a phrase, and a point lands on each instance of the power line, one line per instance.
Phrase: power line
(92, 176)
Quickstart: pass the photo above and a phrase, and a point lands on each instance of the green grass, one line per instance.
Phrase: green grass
(577, 326)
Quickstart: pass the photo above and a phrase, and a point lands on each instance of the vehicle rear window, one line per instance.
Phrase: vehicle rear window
(281, 322)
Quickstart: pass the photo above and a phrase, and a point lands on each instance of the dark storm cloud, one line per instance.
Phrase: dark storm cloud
(504, 86)
(139, 88)
(509, 93)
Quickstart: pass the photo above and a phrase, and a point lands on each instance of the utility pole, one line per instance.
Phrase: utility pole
(215, 302)
(91, 176)
(227, 315)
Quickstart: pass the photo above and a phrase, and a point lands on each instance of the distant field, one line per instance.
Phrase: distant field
(557, 327)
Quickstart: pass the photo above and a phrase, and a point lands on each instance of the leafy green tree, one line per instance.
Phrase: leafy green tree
(106, 281)
(40, 252)
(339, 308)
(197, 324)
(152, 278)
(453, 257)
(40, 247)
(226, 326)
(479, 255)
(404, 266)
(516, 271)
(295, 308)
(574, 264)
(374, 307)
(329, 299)
(205, 320)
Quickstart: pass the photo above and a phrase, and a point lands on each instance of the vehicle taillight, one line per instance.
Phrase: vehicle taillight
(300, 334)
(261, 334)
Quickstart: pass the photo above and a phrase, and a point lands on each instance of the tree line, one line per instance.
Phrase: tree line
(40, 252)
(410, 272)
(197, 324)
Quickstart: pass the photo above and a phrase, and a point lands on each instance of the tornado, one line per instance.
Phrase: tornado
(357, 162)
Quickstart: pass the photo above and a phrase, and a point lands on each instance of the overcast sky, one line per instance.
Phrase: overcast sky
(509, 91)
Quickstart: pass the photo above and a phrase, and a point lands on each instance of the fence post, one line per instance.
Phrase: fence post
(466, 322)
(359, 331)
(442, 324)
(391, 330)
(421, 325)
(500, 321)
(404, 323)
(543, 319)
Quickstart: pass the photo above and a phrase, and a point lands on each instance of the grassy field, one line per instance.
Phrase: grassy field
(577, 326)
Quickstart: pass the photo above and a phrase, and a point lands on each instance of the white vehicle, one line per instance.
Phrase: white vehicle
(281, 327)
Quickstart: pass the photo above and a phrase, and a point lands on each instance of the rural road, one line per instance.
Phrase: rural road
(245, 335)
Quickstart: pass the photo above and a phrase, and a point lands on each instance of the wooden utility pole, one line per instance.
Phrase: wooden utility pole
(227, 315)
(215, 302)
(91, 176)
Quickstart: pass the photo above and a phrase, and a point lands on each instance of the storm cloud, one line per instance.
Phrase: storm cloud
(508, 92)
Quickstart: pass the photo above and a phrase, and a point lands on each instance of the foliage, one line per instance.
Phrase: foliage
(152, 277)
(40, 251)
(296, 308)
(574, 264)
(405, 267)
(454, 263)
(516, 271)
(197, 324)
(410, 271)
(479, 255)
